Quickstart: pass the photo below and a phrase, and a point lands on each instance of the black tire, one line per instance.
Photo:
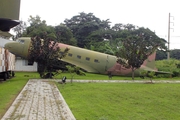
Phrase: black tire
(13, 74)
(5, 76)
(8, 75)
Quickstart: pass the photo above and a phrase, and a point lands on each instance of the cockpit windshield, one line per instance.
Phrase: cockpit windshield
(21, 41)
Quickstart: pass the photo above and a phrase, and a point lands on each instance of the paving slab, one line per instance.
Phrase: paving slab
(39, 100)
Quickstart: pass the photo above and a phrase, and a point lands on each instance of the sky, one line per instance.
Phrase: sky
(152, 14)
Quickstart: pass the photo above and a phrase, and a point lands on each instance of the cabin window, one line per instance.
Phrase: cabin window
(95, 60)
(69, 54)
(61, 53)
(78, 56)
(87, 58)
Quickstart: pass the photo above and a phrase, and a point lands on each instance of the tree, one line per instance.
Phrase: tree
(64, 35)
(46, 53)
(19, 30)
(40, 28)
(160, 55)
(74, 70)
(83, 25)
(149, 74)
(175, 54)
(137, 45)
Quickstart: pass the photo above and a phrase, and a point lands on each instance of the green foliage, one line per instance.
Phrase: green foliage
(103, 47)
(160, 55)
(170, 65)
(64, 35)
(176, 73)
(39, 28)
(175, 54)
(149, 74)
(83, 25)
(143, 73)
(74, 70)
(167, 65)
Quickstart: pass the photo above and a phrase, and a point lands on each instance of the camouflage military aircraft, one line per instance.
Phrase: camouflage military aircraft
(91, 61)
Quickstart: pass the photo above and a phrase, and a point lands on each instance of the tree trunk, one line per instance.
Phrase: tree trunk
(72, 79)
(133, 73)
(151, 79)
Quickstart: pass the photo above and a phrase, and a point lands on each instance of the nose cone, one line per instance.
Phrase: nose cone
(17, 49)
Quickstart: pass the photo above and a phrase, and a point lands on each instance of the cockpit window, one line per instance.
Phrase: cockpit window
(21, 41)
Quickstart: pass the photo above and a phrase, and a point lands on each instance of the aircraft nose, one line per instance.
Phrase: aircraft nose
(15, 48)
(8, 46)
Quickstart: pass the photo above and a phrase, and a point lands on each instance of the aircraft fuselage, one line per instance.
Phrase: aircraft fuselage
(91, 61)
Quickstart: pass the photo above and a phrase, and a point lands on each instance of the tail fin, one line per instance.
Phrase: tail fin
(150, 61)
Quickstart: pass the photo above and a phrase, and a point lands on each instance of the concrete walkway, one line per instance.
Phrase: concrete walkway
(39, 100)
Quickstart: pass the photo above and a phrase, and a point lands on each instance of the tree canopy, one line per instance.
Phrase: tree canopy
(64, 35)
(39, 27)
(83, 25)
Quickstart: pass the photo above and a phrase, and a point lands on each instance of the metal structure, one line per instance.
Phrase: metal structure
(169, 28)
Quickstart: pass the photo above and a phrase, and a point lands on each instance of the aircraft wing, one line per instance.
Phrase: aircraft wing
(9, 9)
(9, 12)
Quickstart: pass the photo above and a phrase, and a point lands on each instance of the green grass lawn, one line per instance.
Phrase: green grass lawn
(122, 101)
(106, 101)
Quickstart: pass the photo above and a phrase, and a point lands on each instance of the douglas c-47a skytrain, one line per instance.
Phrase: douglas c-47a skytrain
(91, 61)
